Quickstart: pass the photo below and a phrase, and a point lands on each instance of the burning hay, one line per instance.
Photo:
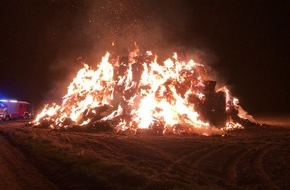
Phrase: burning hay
(138, 92)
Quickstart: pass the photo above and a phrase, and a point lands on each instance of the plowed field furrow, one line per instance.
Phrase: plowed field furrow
(251, 170)
(252, 158)
(16, 172)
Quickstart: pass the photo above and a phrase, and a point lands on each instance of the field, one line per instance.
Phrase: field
(253, 158)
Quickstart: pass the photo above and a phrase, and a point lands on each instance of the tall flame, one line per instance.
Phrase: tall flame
(135, 92)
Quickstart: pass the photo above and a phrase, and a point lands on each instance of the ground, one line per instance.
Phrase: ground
(16, 172)
(33, 158)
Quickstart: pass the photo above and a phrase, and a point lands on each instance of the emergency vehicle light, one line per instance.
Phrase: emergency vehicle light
(9, 101)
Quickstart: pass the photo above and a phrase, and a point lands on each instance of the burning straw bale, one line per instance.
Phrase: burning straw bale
(139, 92)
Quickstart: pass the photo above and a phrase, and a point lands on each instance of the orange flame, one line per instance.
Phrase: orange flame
(136, 93)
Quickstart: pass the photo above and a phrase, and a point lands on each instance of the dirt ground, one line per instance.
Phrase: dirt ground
(253, 158)
(16, 172)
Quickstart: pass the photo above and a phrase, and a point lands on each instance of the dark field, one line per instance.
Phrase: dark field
(253, 158)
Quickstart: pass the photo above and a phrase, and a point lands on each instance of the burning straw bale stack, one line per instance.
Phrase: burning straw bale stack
(137, 93)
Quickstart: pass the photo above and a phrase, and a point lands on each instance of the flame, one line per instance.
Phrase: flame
(230, 125)
(139, 92)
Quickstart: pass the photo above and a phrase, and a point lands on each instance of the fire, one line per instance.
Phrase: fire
(139, 92)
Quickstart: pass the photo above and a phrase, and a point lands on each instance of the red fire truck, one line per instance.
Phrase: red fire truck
(13, 109)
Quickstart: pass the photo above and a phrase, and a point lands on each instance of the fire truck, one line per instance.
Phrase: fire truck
(13, 109)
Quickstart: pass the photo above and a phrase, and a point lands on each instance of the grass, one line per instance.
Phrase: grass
(80, 160)
(78, 167)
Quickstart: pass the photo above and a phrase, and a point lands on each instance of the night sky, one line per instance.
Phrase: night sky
(245, 42)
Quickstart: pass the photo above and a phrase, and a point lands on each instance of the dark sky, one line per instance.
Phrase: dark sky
(246, 42)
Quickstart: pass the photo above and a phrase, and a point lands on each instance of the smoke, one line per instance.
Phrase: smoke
(122, 22)
(84, 30)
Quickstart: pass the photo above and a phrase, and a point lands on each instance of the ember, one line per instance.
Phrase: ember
(138, 92)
